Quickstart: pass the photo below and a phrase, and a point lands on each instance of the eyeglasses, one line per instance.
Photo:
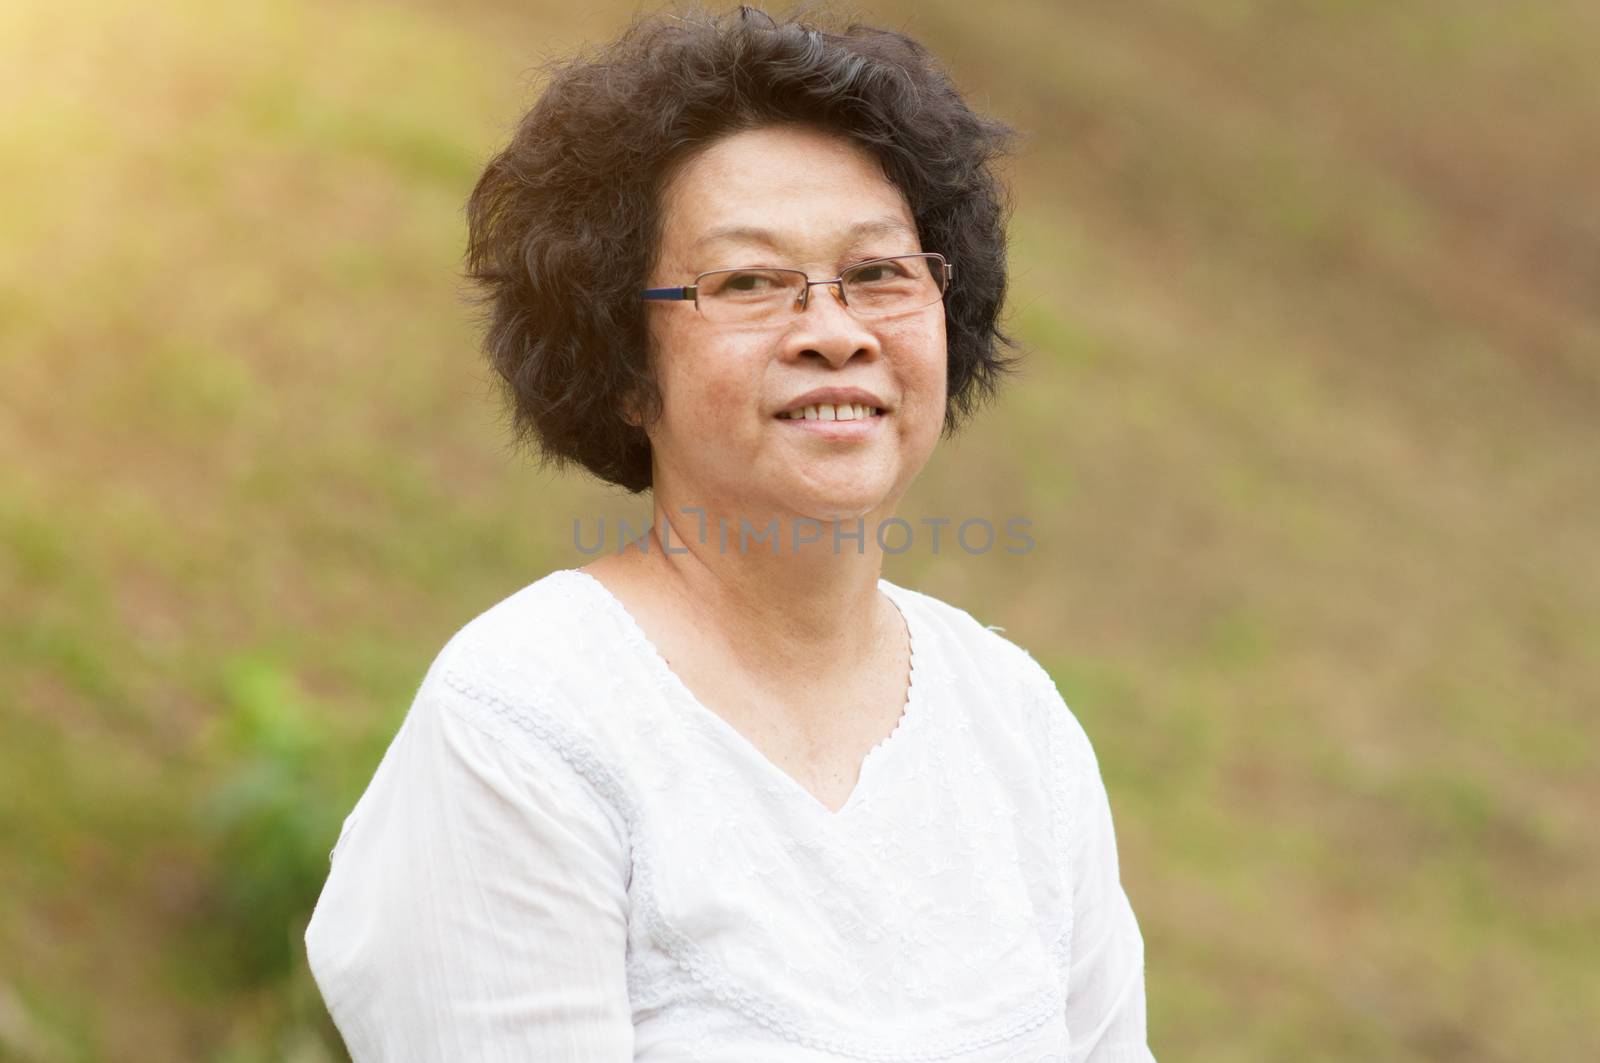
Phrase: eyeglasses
(874, 288)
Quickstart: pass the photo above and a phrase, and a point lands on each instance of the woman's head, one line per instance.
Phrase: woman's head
(824, 149)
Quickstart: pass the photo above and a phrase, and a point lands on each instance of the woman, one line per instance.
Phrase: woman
(714, 798)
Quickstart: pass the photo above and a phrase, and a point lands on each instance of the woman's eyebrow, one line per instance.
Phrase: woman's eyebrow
(885, 226)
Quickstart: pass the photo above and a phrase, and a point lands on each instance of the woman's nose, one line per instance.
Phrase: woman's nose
(829, 329)
(835, 288)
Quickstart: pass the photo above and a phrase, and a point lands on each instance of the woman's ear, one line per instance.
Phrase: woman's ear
(630, 411)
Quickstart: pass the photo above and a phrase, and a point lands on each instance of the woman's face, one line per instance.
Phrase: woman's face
(801, 198)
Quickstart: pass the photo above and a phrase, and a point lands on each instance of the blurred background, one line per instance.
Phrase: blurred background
(1310, 295)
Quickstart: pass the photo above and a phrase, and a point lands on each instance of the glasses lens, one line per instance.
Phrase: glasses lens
(748, 294)
(893, 285)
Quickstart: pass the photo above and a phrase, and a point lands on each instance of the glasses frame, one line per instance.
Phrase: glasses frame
(691, 292)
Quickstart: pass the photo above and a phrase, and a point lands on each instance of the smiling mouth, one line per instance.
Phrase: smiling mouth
(843, 411)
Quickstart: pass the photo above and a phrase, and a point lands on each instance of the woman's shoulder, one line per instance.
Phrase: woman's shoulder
(547, 620)
(497, 706)
(965, 643)
(958, 632)
(546, 658)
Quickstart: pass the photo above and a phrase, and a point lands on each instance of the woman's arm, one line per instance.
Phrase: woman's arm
(1105, 1005)
(477, 904)
(1105, 986)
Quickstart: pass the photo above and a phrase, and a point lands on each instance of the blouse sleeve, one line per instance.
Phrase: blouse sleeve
(476, 908)
(1105, 984)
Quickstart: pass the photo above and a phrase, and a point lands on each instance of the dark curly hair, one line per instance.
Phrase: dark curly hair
(564, 224)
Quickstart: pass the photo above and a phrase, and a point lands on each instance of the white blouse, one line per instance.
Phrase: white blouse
(564, 856)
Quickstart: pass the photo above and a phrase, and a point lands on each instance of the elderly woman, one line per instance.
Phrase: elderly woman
(703, 800)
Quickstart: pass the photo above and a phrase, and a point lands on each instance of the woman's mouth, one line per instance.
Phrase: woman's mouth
(835, 421)
(843, 411)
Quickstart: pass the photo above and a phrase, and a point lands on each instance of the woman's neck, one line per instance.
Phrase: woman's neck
(790, 597)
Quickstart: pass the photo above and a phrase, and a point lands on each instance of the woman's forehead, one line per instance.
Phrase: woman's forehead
(780, 239)
(783, 190)
(777, 161)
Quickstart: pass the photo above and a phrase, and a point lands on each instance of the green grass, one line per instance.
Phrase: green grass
(1306, 435)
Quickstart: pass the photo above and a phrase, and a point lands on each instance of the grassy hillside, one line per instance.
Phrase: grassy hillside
(1307, 435)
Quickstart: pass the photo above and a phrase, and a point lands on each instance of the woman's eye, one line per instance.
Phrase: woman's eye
(877, 273)
(749, 282)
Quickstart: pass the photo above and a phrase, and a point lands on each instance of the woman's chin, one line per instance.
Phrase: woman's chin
(845, 504)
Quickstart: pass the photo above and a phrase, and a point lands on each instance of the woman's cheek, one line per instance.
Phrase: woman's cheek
(925, 366)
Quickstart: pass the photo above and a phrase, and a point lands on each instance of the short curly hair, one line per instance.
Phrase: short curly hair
(564, 224)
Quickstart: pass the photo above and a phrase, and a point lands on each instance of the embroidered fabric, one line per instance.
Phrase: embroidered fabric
(963, 905)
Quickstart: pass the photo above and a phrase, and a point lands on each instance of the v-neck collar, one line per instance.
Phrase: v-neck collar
(910, 715)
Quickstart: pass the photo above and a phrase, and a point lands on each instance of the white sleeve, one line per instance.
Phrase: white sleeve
(1105, 985)
(476, 908)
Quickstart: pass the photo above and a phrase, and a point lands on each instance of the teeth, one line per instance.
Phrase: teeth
(844, 411)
